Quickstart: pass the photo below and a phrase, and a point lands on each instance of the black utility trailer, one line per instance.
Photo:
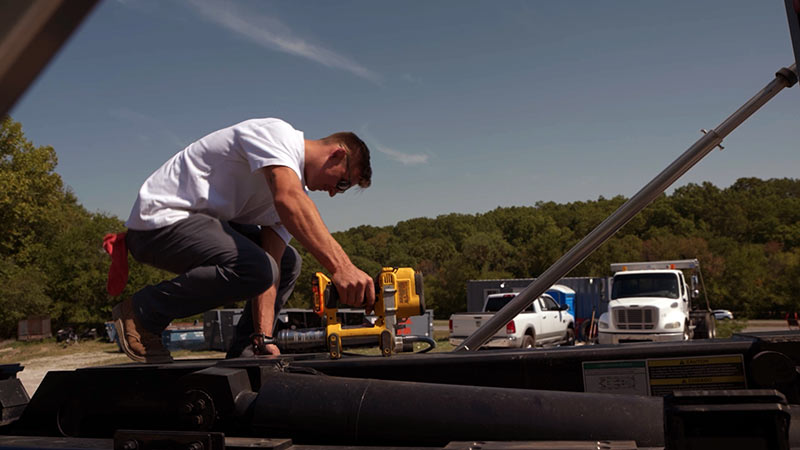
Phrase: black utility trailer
(439, 400)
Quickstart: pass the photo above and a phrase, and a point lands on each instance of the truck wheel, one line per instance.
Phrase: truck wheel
(528, 341)
(569, 339)
(687, 332)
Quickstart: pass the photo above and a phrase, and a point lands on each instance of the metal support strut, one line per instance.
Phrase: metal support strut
(783, 78)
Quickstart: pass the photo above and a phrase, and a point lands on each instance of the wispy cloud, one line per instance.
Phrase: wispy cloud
(405, 158)
(148, 126)
(411, 78)
(272, 34)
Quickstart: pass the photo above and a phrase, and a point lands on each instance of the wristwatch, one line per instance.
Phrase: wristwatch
(260, 342)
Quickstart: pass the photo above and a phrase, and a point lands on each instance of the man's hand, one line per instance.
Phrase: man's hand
(355, 287)
(263, 345)
(270, 349)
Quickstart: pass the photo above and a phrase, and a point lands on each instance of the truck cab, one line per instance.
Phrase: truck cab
(650, 302)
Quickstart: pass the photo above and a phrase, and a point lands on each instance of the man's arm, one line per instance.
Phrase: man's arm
(264, 304)
(300, 216)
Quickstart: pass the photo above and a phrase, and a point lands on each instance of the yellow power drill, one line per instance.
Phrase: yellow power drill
(399, 296)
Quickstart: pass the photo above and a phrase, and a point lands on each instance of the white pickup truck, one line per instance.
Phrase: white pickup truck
(543, 322)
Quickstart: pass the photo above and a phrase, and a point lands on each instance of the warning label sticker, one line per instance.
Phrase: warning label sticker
(662, 376)
(615, 377)
(707, 372)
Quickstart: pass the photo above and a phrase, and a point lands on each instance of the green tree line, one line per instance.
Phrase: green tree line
(747, 237)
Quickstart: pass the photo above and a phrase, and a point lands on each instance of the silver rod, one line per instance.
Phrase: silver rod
(626, 212)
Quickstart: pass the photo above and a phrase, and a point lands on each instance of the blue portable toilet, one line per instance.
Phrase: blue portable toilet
(563, 296)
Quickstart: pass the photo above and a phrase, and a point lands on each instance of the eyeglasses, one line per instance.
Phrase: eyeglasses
(343, 184)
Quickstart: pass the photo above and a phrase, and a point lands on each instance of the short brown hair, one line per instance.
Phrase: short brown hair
(355, 146)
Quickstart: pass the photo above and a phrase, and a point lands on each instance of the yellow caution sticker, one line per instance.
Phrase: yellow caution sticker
(707, 372)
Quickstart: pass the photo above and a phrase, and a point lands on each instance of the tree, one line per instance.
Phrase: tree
(22, 293)
(77, 267)
(487, 252)
(29, 191)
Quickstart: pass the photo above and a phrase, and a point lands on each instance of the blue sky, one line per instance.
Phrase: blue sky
(466, 105)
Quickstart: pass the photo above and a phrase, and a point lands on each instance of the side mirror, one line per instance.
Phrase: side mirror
(564, 308)
(696, 293)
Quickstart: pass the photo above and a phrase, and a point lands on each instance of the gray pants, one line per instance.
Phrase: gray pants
(218, 263)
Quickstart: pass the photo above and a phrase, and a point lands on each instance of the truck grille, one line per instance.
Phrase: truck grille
(635, 318)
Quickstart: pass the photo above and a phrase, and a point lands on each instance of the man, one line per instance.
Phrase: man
(220, 213)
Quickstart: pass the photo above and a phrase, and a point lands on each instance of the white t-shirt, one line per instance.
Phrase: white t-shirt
(219, 176)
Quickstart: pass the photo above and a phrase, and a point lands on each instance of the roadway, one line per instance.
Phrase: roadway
(765, 325)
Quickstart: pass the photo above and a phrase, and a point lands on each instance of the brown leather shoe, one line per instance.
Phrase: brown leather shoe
(139, 344)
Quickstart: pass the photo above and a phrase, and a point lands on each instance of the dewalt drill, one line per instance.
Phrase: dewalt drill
(399, 296)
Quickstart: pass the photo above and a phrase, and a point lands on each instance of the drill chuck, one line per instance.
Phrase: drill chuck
(305, 339)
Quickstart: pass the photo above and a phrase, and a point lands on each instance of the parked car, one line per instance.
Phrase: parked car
(722, 314)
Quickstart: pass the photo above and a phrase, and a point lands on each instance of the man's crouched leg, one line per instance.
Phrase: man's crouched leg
(138, 343)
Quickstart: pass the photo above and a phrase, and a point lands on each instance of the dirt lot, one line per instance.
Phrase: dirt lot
(35, 369)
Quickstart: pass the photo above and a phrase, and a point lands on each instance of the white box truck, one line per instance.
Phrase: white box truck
(652, 301)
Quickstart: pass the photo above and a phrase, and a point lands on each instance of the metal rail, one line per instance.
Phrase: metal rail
(31, 33)
(783, 78)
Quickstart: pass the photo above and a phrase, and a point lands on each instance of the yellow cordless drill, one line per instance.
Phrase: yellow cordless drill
(399, 296)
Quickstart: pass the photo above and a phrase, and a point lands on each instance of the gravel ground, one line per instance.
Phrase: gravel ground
(35, 369)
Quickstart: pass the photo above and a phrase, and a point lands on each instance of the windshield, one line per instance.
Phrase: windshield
(645, 285)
